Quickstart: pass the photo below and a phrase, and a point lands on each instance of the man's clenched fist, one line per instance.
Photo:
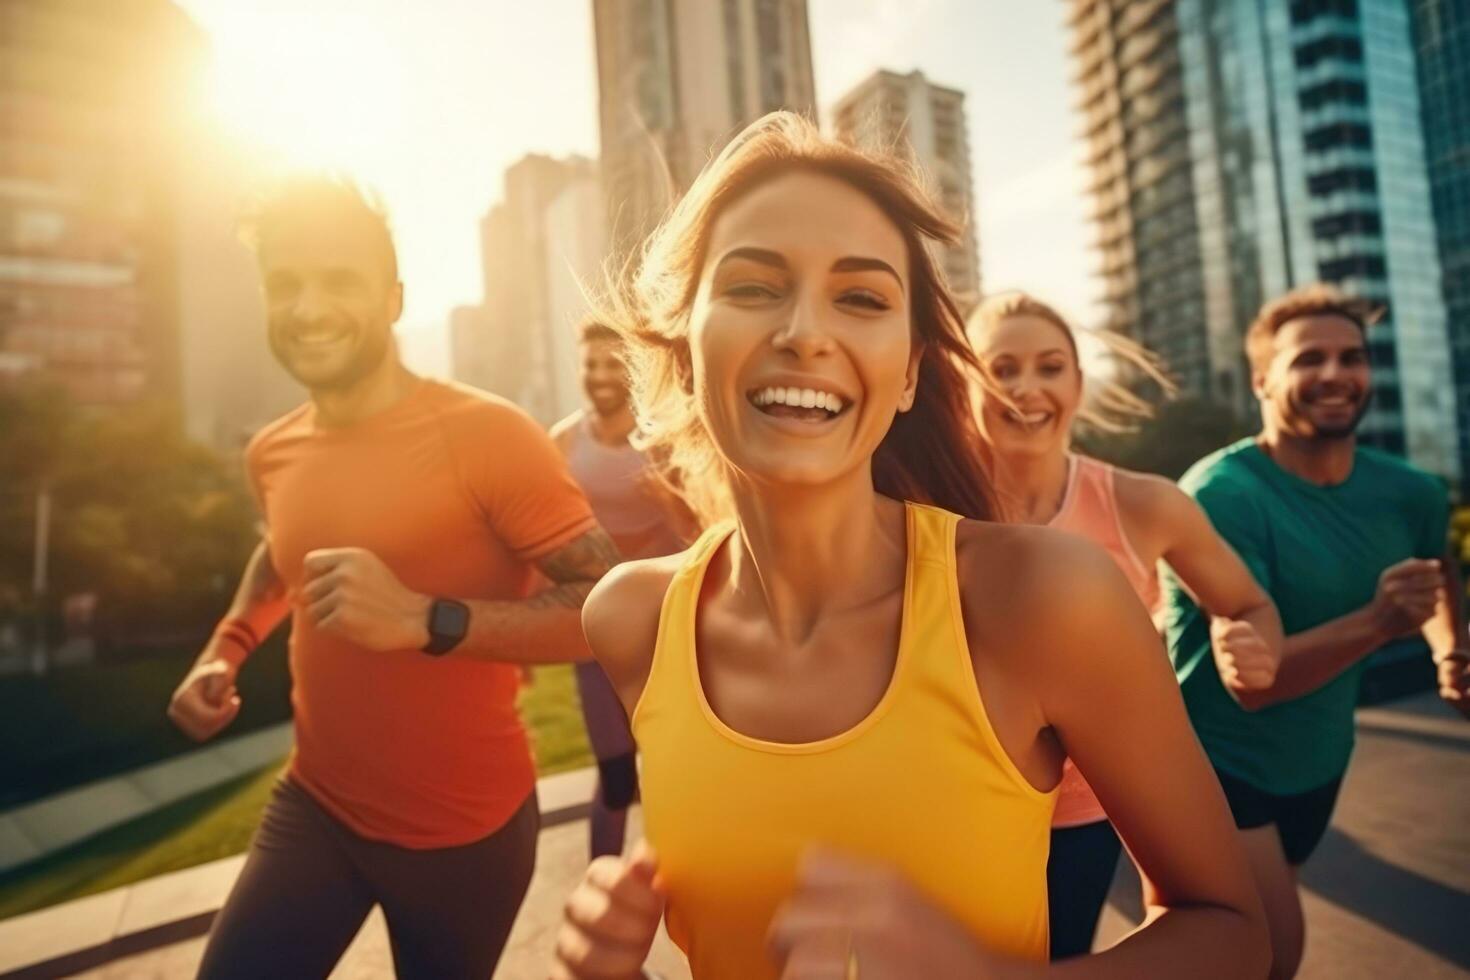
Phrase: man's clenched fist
(1245, 661)
(1407, 595)
(206, 701)
(351, 592)
(1454, 680)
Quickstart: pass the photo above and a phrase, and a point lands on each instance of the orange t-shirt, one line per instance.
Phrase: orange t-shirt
(458, 492)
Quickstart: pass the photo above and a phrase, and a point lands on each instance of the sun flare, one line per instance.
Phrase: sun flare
(310, 88)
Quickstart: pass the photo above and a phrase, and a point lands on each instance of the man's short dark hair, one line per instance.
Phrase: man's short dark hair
(1317, 299)
(332, 196)
(592, 329)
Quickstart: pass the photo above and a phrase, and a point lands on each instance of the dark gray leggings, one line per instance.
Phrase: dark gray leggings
(309, 882)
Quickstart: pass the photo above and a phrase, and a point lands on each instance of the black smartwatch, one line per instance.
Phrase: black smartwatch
(449, 621)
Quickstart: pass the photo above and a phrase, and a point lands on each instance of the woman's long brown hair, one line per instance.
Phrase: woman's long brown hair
(931, 452)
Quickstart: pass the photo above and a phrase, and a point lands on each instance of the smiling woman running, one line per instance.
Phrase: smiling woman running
(853, 704)
(1026, 417)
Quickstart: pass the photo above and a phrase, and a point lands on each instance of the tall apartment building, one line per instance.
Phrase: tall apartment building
(678, 78)
(232, 384)
(93, 99)
(908, 113)
(1442, 38)
(471, 348)
(1239, 149)
(542, 247)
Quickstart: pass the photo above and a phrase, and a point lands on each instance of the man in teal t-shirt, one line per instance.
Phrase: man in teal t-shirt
(1351, 545)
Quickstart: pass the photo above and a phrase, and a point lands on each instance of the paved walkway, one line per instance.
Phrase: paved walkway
(560, 859)
(1387, 895)
(43, 827)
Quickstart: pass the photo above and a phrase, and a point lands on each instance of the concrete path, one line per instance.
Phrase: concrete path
(560, 859)
(1387, 895)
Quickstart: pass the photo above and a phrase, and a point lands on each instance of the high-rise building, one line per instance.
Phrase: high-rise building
(576, 252)
(677, 79)
(543, 253)
(471, 347)
(232, 383)
(1239, 149)
(1442, 37)
(93, 100)
(889, 111)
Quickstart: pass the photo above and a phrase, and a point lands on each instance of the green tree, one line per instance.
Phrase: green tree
(156, 526)
(1180, 433)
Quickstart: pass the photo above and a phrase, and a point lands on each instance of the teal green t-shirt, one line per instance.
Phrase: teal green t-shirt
(1318, 551)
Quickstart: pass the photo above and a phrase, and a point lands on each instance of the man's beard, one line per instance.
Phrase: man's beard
(364, 361)
(1345, 430)
(608, 406)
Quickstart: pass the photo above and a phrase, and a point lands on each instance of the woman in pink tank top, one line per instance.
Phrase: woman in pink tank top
(1031, 355)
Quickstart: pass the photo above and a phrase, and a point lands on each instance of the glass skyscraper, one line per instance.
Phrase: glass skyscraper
(1239, 148)
(1442, 38)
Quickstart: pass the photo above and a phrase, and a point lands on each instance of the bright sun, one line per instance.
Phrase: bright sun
(309, 88)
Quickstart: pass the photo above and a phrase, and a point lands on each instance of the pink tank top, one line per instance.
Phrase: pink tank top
(617, 482)
(1090, 509)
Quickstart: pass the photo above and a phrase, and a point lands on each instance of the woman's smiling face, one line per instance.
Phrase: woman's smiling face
(800, 333)
(1032, 361)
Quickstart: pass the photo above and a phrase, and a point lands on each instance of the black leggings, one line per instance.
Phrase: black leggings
(1078, 876)
(309, 882)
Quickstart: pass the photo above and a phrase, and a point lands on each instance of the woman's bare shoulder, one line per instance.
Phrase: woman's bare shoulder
(628, 597)
(1028, 592)
(621, 614)
(1148, 496)
(1022, 560)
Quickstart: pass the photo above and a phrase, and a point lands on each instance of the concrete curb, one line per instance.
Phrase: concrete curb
(170, 908)
(40, 829)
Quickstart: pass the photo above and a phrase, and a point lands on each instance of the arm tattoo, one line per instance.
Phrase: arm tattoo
(575, 568)
(584, 559)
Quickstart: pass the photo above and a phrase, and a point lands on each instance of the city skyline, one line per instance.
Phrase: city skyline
(1239, 152)
(428, 116)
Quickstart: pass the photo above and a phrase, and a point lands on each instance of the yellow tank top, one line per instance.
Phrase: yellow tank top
(921, 785)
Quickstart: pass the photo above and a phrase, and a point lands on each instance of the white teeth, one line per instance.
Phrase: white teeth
(319, 338)
(798, 397)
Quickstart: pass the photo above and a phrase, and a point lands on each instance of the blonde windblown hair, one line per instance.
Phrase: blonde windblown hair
(1108, 405)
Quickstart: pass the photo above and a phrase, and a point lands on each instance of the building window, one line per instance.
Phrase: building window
(772, 46)
(1339, 135)
(1335, 91)
(1342, 179)
(1360, 266)
(735, 61)
(1382, 354)
(1334, 48)
(1387, 397)
(1306, 11)
(1348, 223)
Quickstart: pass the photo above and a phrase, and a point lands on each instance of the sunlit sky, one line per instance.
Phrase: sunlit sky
(430, 101)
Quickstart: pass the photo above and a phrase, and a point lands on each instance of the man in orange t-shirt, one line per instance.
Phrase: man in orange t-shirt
(405, 520)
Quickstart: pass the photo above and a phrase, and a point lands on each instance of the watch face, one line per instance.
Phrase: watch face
(449, 619)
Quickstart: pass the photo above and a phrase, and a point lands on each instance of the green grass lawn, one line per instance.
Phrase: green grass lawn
(219, 821)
